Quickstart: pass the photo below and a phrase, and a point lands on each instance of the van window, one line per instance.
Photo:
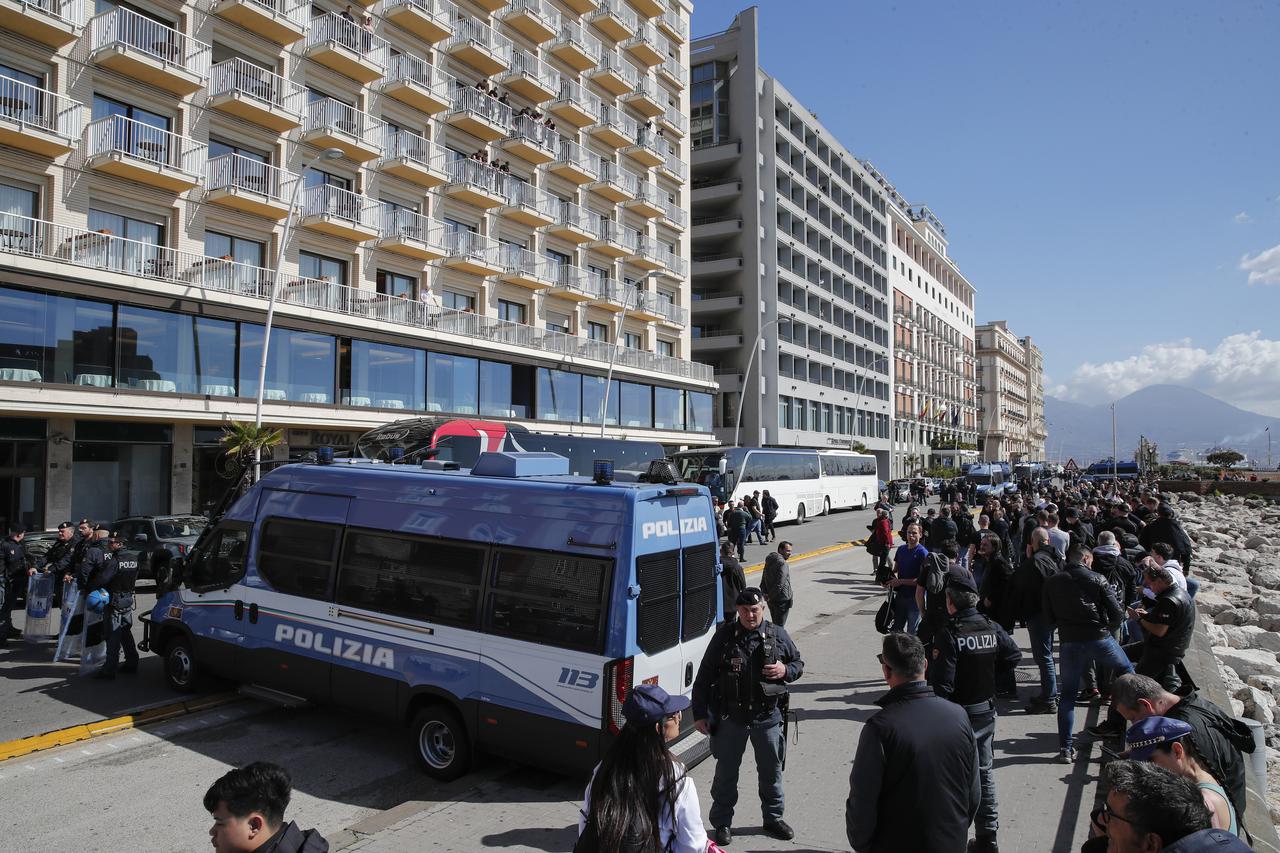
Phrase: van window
(554, 599)
(411, 576)
(220, 563)
(296, 557)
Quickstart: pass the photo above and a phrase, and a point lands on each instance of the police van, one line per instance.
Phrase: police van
(509, 607)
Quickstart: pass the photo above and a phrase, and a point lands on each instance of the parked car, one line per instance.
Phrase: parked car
(145, 534)
(899, 491)
(36, 544)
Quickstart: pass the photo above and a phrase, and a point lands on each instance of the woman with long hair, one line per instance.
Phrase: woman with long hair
(1163, 741)
(639, 799)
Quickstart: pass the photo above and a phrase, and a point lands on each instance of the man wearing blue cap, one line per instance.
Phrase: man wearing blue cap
(740, 694)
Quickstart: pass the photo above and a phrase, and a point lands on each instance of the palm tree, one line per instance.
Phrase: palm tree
(244, 441)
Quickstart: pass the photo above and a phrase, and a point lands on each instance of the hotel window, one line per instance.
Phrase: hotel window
(513, 312)
(459, 301)
(597, 331)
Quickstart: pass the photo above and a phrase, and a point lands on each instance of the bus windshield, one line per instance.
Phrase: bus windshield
(704, 469)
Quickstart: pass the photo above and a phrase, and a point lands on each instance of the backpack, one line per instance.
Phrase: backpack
(935, 577)
(884, 616)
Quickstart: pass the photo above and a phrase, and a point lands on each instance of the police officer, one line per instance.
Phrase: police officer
(57, 559)
(740, 694)
(105, 572)
(13, 571)
(970, 655)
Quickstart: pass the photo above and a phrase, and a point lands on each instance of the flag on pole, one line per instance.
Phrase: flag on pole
(955, 415)
(924, 413)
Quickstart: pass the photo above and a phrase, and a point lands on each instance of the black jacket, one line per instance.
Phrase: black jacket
(1170, 532)
(1120, 574)
(1029, 579)
(916, 757)
(1080, 603)
(706, 687)
(14, 557)
(997, 586)
(966, 535)
(733, 581)
(1220, 740)
(943, 528)
(290, 839)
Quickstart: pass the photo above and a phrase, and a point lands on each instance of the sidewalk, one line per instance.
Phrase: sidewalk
(1043, 805)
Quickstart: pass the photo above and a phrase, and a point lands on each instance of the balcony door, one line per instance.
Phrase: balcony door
(135, 131)
(141, 251)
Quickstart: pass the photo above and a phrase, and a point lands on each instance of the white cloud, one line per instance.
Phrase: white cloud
(1242, 370)
(1243, 217)
(1264, 267)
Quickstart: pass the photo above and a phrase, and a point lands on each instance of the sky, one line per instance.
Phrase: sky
(1108, 173)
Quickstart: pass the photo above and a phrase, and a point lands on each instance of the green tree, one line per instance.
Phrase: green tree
(1225, 458)
(243, 440)
(857, 447)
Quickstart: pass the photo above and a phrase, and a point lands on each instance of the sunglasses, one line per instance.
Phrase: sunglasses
(880, 657)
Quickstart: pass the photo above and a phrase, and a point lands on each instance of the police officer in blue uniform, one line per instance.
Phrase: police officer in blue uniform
(740, 694)
(13, 570)
(105, 572)
(969, 655)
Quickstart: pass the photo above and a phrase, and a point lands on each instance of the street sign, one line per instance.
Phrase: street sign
(1071, 465)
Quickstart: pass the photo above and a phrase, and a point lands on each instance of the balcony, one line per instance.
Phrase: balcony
(575, 105)
(491, 5)
(715, 227)
(649, 202)
(476, 183)
(536, 20)
(648, 148)
(339, 213)
(614, 184)
(582, 7)
(429, 20)
(419, 84)
(255, 94)
(38, 121)
(575, 163)
(709, 265)
(575, 47)
(478, 114)
(531, 78)
(659, 307)
(614, 128)
(56, 23)
(674, 216)
(645, 98)
(574, 284)
(333, 124)
(674, 73)
(674, 168)
(347, 48)
(407, 155)
(472, 253)
(645, 46)
(614, 19)
(673, 24)
(575, 224)
(531, 141)
(526, 269)
(717, 190)
(614, 74)
(716, 302)
(655, 255)
(613, 295)
(674, 122)
(148, 155)
(615, 240)
(282, 21)
(149, 51)
(528, 205)
(477, 45)
(242, 183)
(717, 340)
(409, 233)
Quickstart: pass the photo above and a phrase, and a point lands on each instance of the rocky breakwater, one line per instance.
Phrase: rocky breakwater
(1237, 560)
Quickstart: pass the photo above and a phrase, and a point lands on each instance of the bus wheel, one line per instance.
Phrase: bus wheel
(444, 749)
(180, 668)
(800, 514)
(826, 506)
(864, 501)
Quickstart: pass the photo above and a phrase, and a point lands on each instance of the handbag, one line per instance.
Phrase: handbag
(884, 616)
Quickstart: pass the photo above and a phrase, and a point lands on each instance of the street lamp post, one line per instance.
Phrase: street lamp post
(862, 377)
(617, 338)
(742, 397)
(327, 154)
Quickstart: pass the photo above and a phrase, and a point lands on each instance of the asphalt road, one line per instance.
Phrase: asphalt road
(141, 790)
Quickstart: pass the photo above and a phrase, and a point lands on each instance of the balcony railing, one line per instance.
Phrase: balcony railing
(570, 279)
(674, 23)
(580, 218)
(406, 68)
(337, 203)
(159, 147)
(615, 9)
(126, 28)
(525, 195)
(675, 166)
(548, 17)
(525, 64)
(520, 261)
(286, 15)
(573, 34)
(397, 143)
(35, 238)
(675, 214)
(617, 233)
(611, 62)
(586, 102)
(580, 158)
(332, 28)
(611, 173)
(411, 225)
(477, 174)
(68, 11)
(618, 121)
(328, 114)
(460, 243)
(236, 171)
(40, 109)
(468, 99)
(536, 133)
(237, 76)
(664, 308)
(652, 249)
(674, 118)
(477, 34)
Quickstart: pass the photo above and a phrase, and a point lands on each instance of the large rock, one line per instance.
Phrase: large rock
(1253, 543)
(1267, 605)
(1236, 616)
(1247, 662)
(1258, 705)
(1210, 602)
(1267, 576)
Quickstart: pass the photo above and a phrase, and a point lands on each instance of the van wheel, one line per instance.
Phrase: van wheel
(800, 514)
(444, 748)
(826, 506)
(180, 667)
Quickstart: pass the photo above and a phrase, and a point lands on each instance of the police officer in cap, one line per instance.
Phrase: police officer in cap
(57, 560)
(13, 570)
(740, 694)
(970, 655)
(105, 572)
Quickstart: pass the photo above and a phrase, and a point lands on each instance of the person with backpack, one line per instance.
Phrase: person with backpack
(938, 571)
(769, 511)
(878, 545)
(640, 798)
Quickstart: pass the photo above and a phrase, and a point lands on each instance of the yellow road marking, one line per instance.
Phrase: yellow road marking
(843, 546)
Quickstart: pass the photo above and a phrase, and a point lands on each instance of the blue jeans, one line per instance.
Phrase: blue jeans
(1041, 634)
(1075, 657)
(757, 527)
(728, 743)
(984, 731)
(906, 616)
(1193, 586)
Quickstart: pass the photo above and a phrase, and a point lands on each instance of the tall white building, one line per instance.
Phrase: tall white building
(509, 178)
(934, 367)
(789, 246)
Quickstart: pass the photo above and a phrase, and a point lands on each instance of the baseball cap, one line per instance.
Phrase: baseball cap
(1145, 736)
(649, 703)
(750, 597)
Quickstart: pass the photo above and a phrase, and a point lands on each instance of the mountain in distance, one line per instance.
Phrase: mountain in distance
(1172, 416)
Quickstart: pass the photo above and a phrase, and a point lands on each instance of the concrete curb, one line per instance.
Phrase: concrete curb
(140, 717)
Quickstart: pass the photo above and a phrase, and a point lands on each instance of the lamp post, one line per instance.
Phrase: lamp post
(1113, 449)
(613, 353)
(327, 154)
(755, 348)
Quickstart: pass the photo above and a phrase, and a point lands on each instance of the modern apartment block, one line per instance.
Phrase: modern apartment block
(475, 193)
(935, 396)
(789, 246)
(1011, 391)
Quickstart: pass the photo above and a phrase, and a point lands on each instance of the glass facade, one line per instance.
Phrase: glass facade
(163, 351)
(559, 396)
(593, 400)
(668, 408)
(637, 405)
(453, 384)
(300, 365)
(383, 375)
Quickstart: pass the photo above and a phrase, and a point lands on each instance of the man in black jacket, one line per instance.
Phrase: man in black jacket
(733, 580)
(1080, 604)
(247, 805)
(1079, 531)
(914, 784)
(1167, 621)
(1166, 528)
(106, 572)
(1028, 589)
(943, 528)
(1111, 564)
(1218, 738)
